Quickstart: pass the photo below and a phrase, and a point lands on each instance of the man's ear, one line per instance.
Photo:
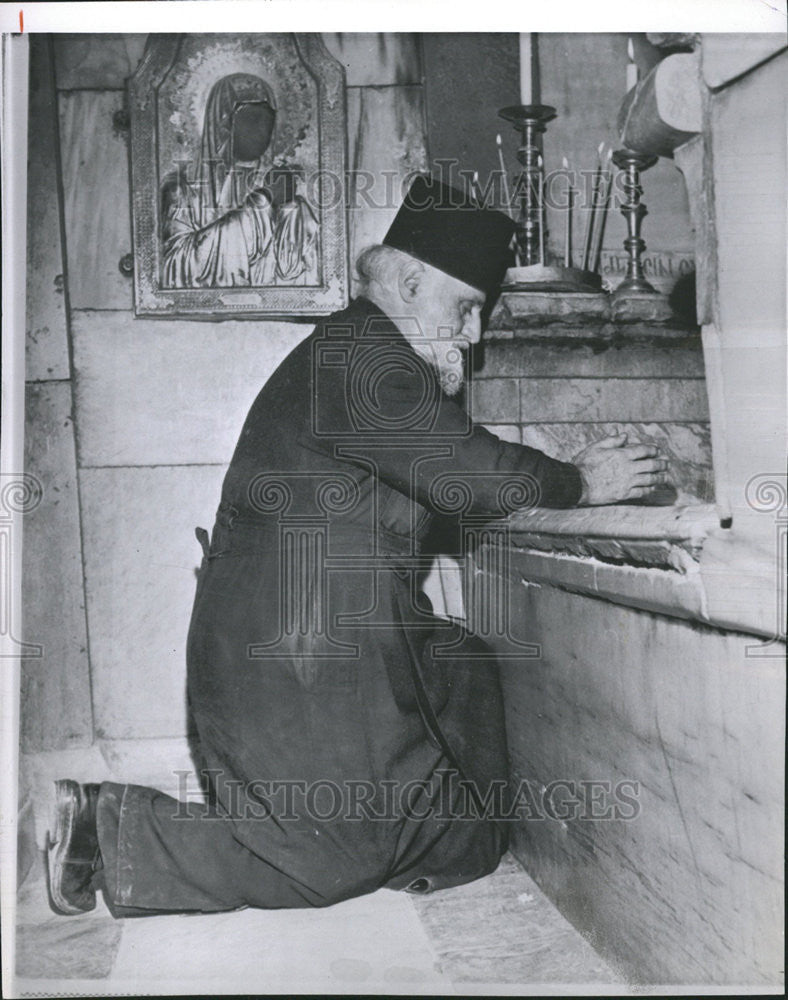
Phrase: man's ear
(409, 279)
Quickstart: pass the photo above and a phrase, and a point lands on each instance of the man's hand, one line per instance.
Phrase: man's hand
(613, 471)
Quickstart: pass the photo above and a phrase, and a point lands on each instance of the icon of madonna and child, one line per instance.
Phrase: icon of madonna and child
(239, 219)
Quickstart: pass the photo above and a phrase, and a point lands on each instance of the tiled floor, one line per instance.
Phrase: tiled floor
(497, 935)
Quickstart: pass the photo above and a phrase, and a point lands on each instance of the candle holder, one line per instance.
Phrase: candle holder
(551, 278)
(632, 164)
(534, 273)
(530, 121)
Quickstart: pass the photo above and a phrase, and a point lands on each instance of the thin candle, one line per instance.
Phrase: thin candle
(540, 206)
(568, 234)
(516, 250)
(526, 68)
(596, 256)
(505, 179)
(477, 190)
(594, 205)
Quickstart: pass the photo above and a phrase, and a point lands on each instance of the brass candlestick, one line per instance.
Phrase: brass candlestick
(530, 120)
(633, 210)
(532, 272)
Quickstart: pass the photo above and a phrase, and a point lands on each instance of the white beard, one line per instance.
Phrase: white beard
(447, 360)
(451, 376)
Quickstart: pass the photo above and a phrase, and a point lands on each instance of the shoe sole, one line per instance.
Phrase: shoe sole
(67, 808)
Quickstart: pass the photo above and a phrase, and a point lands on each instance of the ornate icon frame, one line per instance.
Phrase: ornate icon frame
(324, 80)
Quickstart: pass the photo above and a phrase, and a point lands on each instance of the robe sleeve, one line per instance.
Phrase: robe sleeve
(394, 419)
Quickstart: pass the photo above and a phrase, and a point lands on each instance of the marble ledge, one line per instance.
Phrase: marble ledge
(662, 560)
(677, 595)
(666, 537)
(579, 314)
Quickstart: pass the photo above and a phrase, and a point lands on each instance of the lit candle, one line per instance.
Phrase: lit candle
(568, 235)
(526, 69)
(632, 70)
(477, 191)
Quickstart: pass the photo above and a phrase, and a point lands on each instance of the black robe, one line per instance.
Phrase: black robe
(353, 740)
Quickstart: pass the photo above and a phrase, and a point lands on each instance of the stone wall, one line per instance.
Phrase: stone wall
(684, 886)
(130, 422)
(557, 374)
(628, 681)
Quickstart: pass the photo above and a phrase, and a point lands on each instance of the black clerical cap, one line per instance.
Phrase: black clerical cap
(446, 228)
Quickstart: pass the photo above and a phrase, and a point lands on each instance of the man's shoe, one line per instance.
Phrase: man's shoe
(73, 850)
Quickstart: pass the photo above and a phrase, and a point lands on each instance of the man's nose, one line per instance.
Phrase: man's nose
(473, 327)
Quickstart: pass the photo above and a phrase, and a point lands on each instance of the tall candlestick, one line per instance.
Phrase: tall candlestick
(526, 69)
(568, 233)
(530, 121)
(633, 210)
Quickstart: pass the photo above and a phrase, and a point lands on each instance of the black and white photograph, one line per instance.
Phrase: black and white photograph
(393, 506)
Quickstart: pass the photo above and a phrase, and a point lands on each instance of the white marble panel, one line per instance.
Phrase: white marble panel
(55, 697)
(613, 399)
(686, 445)
(46, 347)
(96, 199)
(376, 58)
(96, 61)
(141, 558)
(386, 144)
(153, 392)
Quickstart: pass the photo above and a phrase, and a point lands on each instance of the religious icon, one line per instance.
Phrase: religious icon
(238, 220)
(231, 134)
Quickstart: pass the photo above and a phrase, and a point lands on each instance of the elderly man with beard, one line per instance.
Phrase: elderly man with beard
(349, 738)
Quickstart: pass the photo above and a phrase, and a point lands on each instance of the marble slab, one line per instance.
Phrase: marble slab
(614, 359)
(141, 558)
(495, 401)
(386, 144)
(506, 432)
(96, 199)
(683, 884)
(573, 400)
(153, 392)
(64, 950)
(374, 945)
(376, 58)
(55, 696)
(46, 347)
(726, 56)
(502, 929)
(686, 445)
(97, 62)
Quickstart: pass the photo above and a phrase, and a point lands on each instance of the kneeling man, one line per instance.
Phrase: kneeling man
(349, 738)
